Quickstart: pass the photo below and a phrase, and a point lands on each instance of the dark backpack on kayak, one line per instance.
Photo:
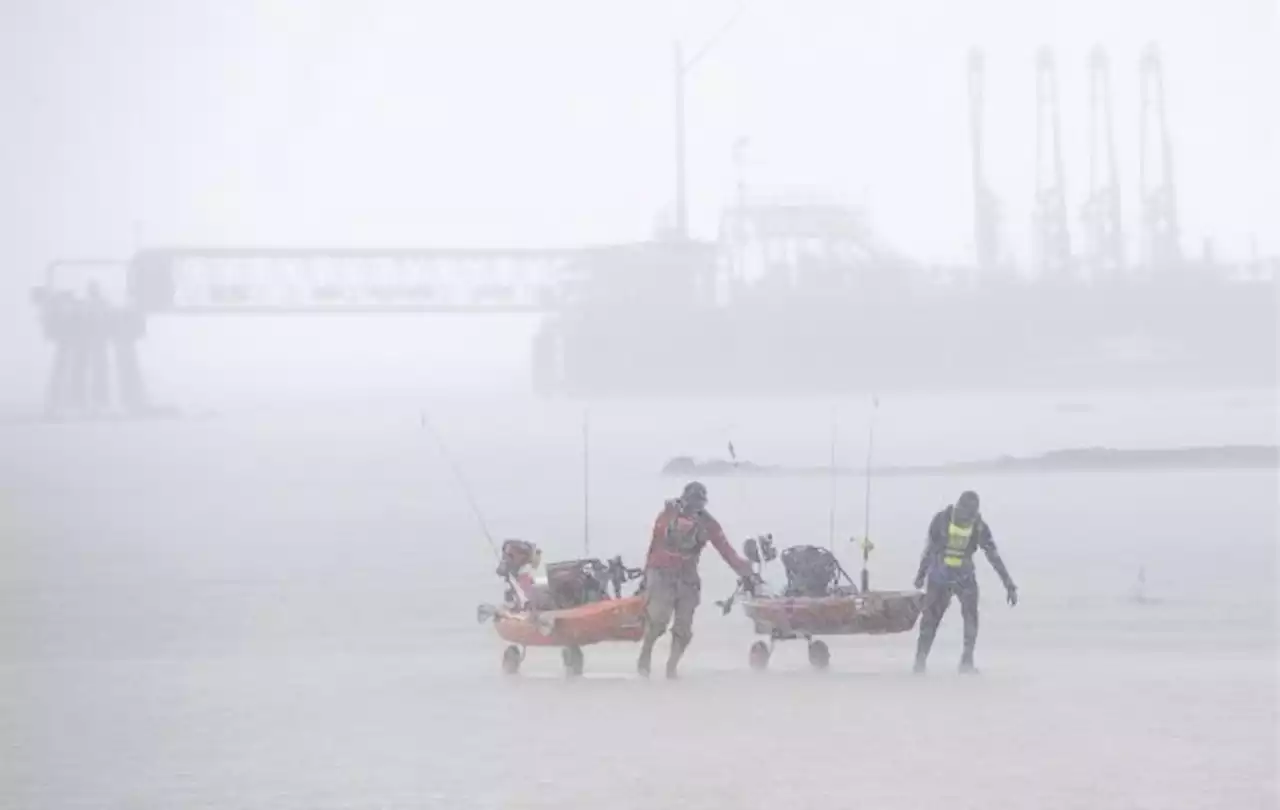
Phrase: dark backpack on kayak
(578, 582)
(811, 571)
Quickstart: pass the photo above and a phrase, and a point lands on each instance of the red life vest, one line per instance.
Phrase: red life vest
(685, 535)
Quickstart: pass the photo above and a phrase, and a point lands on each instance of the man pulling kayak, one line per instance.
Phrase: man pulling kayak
(672, 586)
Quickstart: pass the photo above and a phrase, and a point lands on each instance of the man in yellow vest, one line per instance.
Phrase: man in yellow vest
(954, 534)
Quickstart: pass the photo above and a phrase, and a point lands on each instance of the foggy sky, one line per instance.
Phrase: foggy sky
(508, 123)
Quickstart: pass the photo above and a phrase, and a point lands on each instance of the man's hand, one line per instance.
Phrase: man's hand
(919, 583)
(1011, 593)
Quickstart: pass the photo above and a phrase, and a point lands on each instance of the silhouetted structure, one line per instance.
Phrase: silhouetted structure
(800, 296)
(1161, 234)
(86, 331)
(1053, 239)
(1105, 245)
(985, 209)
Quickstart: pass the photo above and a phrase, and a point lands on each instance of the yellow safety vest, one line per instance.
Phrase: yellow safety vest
(957, 543)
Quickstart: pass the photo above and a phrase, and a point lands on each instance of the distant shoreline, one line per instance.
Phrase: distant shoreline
(1093, 459)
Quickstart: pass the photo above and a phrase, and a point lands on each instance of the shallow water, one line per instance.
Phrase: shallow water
(275, 609)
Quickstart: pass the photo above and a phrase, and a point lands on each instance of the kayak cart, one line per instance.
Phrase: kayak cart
(820, 599)
(580, 604)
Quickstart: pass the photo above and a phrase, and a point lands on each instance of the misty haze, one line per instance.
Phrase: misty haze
(639, 405)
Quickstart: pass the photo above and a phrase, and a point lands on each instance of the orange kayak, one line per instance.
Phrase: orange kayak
(606, 620)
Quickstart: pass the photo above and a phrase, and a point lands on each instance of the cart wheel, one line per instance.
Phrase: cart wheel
(819, 655)
(759, 657)
(573, 660)
(511, 660)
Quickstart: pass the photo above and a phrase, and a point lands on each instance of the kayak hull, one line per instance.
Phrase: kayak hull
(873, 613)
(607, 620)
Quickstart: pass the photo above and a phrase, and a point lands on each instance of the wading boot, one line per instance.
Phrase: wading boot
(673, 661)
(922, 653)
(646, 657)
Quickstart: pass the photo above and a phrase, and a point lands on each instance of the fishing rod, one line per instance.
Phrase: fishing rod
(726, 605)
(738, 483)
(462, 483)
(871, 438)
(866, 508)
(831, 510)
(586, 483)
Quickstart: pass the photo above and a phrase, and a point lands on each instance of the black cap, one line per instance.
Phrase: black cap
(966, 508)
(694, 491)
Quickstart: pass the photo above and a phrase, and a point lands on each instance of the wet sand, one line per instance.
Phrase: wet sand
(275, 610)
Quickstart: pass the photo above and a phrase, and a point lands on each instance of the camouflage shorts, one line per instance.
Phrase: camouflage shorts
(671, 597)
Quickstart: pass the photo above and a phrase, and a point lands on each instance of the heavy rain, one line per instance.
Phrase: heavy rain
(636, 405)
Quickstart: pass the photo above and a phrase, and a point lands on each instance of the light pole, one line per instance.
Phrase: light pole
(682, 69)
